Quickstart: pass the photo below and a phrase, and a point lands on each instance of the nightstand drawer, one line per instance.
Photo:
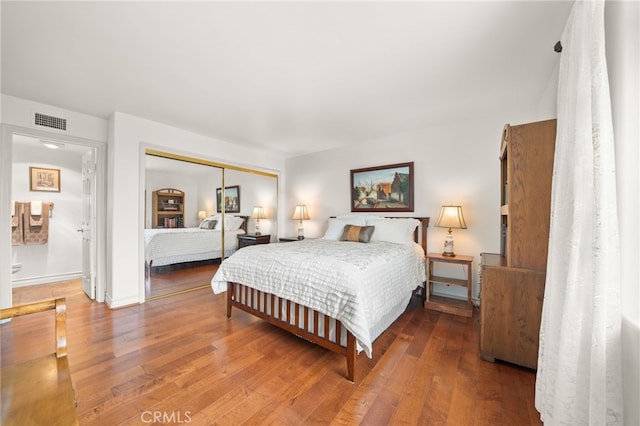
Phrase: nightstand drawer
(252, 239)
(288, 239)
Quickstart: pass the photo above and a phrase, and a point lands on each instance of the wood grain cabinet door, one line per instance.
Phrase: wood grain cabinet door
(511, 311)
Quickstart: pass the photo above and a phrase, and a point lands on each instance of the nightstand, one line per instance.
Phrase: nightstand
(447, 304)
(252, 239)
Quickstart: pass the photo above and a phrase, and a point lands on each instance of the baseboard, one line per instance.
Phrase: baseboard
(25, 282)
(117, 304)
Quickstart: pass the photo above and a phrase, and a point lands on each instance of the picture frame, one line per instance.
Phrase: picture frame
(386, 188)
(44, 180)
(231, 199)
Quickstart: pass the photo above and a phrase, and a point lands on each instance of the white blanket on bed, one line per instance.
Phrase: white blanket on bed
(365, 286)
(167, 242)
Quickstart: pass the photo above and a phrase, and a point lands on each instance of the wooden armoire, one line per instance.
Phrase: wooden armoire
(512, 282)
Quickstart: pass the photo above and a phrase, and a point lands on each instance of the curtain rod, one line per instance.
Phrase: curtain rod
(558, 47)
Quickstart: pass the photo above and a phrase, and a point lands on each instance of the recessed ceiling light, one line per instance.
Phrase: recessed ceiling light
(52, 145)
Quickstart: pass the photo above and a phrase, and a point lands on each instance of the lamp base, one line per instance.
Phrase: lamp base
(448, 245)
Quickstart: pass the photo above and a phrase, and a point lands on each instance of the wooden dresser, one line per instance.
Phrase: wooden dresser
(512, 282)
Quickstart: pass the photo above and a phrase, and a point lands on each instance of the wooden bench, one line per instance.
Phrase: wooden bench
(39, 391)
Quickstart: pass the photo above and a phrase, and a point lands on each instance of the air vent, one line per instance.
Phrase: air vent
(50, 121)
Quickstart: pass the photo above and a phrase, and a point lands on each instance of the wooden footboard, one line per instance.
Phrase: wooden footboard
(297, 319)
(303, 321)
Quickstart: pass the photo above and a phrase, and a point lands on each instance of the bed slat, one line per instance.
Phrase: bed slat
(235, 298)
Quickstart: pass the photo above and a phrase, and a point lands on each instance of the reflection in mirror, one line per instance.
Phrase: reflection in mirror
(256, 190)
(184, 230)
(181, 250)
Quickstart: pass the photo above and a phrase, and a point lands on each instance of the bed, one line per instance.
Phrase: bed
(340, 291)
(167, 246)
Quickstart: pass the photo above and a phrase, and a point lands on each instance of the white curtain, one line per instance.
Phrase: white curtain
(579, 361)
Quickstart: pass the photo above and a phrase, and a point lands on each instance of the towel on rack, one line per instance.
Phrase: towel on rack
(15, 218)
(36, 208)
(36, 229)
(16, 224)
(35, 217)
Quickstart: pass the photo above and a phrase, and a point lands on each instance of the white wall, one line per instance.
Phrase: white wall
(454, 163)
(61, 257)
(622, 23)
(128, 138)
(257, 190)
(207, 192)
(18, 112)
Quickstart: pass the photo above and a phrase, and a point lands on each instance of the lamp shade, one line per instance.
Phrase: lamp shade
(258, 213)
(451, 217)
(300, 213)
(202, 214)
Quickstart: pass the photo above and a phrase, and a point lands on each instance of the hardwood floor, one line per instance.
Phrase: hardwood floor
(171, 279)
(179, 360)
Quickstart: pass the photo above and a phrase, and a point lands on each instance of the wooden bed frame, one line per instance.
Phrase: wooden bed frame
(245, 298)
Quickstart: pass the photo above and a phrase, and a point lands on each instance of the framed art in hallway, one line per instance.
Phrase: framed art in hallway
(383, 188)
(44, 180)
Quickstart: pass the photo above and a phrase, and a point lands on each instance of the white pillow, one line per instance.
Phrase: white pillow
(393, 230)
(235, 223)
(231, 223)
(208, 224)
(336, 226)
(353, 219)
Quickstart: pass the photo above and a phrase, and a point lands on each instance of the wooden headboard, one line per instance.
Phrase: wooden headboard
(420, 234)
(245, 224)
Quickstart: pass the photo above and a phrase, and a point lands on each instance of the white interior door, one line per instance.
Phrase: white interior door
(88, 226)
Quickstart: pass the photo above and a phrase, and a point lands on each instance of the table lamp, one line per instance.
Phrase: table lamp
(301, 214)
(257, 214)
(450, 217)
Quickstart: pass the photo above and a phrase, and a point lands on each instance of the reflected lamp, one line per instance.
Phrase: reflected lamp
(257, 214)
(300, 213)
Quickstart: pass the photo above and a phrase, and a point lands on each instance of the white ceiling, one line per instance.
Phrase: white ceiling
(37, 143)
(296, 77)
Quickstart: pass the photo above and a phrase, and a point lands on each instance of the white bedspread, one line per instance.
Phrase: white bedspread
(170, 245)
(365, 286)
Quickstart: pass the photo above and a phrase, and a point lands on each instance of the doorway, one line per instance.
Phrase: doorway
(59, 255)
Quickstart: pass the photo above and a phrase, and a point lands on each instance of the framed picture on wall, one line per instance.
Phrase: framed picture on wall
(383, 188)
(231, 199)
(45, 180)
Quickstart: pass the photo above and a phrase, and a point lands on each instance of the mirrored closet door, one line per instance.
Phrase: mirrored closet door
(196, 213)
